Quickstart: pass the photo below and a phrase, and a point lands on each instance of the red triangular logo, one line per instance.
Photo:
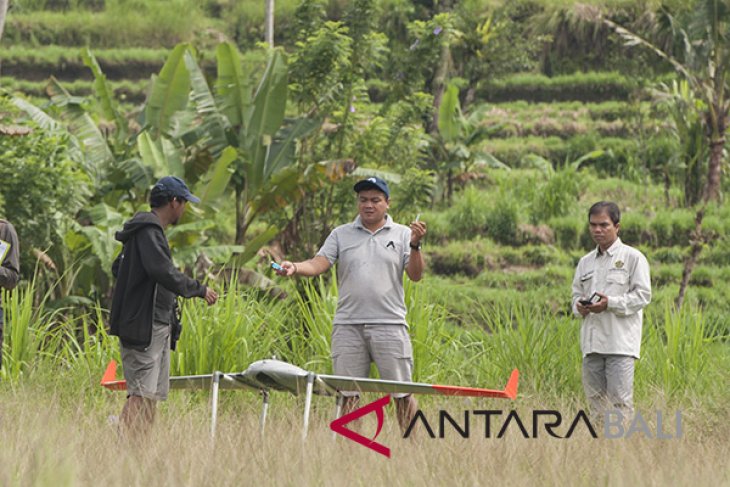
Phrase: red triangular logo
(338, 425)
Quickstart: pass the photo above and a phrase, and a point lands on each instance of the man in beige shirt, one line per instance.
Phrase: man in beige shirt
(610, 289)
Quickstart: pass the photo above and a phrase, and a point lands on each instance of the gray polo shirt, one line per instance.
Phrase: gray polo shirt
(370, 268)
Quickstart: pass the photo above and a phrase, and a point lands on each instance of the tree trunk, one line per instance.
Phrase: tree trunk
(449, 186)
(240, 216)
(697, 240)
(3, 14)
(471, 94)
(712, 190)
(439, 85)
(268, 23)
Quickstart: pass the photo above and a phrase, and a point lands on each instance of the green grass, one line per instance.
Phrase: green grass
(510, 207)
(25, 329)
(472, 257)
(54, 55)
(60, 434)
(468, 330)
(27, 62)
(133, 23)
(609, 110)
(620, 154)
(567, 119)
(132, 90)
(590, 87)
(239, 330)
(118, 27)
(56, 438)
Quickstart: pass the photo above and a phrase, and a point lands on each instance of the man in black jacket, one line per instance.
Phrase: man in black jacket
(9, 266)
(144, 298)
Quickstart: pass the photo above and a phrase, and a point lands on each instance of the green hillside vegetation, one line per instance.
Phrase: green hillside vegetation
(499, 123)
(132, 91)
(121, 24)
(579, 86)
(536, 120)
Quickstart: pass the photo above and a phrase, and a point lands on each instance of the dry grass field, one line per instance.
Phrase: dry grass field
(50, 439)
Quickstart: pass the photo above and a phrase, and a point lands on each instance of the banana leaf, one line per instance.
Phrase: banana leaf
(232, 87)
(169, 92)
(104, 93)
(214, 124)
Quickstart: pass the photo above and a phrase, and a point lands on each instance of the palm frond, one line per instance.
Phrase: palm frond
(632, 39)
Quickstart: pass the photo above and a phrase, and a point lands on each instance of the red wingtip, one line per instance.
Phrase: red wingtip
(511, 388)
(110, 374)
(509, 392)
(109, 379)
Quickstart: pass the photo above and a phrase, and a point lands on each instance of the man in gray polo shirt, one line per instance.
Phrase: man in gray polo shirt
(370, 323)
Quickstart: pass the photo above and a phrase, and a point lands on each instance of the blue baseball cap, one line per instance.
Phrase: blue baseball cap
(373, 183)
(175, 187)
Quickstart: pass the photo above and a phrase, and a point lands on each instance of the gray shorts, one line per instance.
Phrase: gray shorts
(147, 372)
(354, 347)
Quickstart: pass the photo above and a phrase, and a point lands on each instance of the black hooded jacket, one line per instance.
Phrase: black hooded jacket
(147, 280)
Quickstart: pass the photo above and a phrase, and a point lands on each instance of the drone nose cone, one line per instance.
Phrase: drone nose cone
(271, 366)
(274, 374)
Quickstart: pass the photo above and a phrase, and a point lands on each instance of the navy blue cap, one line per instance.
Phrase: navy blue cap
(373, 183)
(175, 187)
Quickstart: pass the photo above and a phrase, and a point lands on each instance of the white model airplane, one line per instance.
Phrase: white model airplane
(272, 374)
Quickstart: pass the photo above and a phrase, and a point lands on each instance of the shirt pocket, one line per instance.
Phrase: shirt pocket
(617, 282)
(586, 282)
(391, 252)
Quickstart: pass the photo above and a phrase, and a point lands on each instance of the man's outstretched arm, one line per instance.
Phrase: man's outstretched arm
(308, 268)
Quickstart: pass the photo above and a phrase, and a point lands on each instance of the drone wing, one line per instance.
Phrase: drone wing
(342, 383)
(192, 382)
(273, 374)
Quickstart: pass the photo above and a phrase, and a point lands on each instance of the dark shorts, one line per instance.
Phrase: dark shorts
(147, 371)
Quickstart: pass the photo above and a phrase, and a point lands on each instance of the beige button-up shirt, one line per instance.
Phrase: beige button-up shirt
(622, 274)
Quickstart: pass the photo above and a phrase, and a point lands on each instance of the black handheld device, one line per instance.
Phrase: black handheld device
(592, 300)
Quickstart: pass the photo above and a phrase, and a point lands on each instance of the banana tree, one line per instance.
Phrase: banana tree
(703, 33)
(458, 139)
(224, 136)
(691, 159)
(100, 137)
(253, 124)
(123, 163)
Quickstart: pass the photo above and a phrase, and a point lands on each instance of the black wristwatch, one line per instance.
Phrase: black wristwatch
(416, 247)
